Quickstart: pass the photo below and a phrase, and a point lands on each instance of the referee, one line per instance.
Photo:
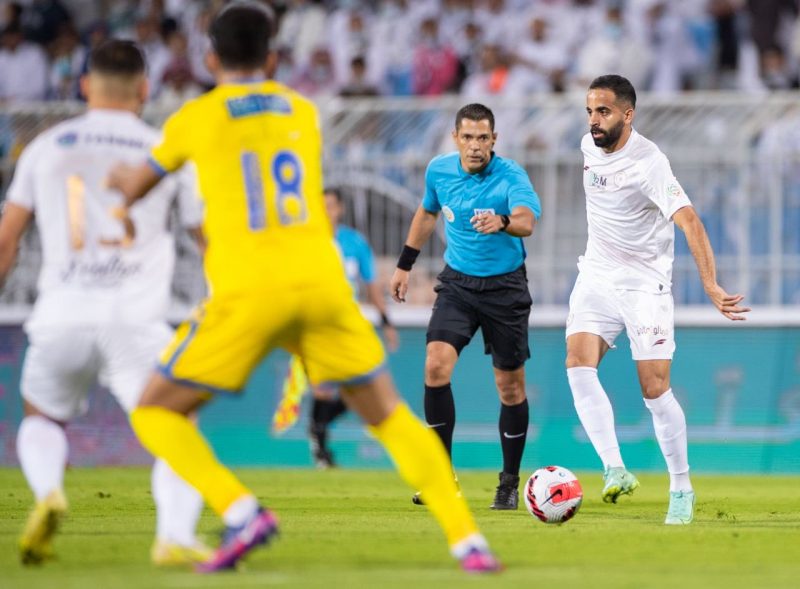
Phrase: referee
(489, 205)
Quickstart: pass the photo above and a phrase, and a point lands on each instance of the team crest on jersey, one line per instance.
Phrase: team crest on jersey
(674, 190)
(448, 214)
(68, 139)
(619, 179)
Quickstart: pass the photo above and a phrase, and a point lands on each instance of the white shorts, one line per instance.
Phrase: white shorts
(648, 318)
(63, 362)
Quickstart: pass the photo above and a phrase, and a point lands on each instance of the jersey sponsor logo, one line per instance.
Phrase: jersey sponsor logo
(254, 104)
(651, 330)
(109, 139)
(448, 214)
(67, 139)
(483, 211)
(100, 273)
(599, 182)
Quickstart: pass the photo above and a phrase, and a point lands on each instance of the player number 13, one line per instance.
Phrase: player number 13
(76, 212)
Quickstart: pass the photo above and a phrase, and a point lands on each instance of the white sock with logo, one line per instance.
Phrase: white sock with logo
(595, 412)
(42, 450)
(670, 426)
(178, 506)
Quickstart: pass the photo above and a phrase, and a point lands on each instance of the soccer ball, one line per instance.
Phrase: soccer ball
(553, 494)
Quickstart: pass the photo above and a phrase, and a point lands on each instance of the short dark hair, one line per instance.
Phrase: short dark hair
(621, 87)
(117, 57)
(475, 112)
(335, 191)
(240, 35)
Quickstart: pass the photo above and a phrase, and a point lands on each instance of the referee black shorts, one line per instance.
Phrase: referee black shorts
(500, 305)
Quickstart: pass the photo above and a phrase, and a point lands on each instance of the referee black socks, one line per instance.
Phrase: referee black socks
(440, 413)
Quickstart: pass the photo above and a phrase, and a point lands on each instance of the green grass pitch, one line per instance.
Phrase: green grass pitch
(354, 529)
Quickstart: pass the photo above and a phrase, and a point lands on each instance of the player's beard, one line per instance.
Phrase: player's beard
(609, 137)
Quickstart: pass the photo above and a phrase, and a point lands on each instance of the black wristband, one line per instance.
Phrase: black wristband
(506, 220)
(407, 258)
(385, 320)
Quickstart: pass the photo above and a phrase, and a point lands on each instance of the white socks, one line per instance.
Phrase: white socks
(595, 413)
(42, 452)
(178, 506)
(240, 511)
(670, 426)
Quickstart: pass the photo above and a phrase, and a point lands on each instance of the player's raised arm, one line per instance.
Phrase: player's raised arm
(691, 225)
(422, 227)
(13, 223)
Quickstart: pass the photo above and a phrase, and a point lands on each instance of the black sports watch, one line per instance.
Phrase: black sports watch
(505, 220)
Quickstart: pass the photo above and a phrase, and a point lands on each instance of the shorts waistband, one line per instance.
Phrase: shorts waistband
(484, 282)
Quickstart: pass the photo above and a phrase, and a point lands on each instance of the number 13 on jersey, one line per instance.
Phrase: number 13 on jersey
(286, 175)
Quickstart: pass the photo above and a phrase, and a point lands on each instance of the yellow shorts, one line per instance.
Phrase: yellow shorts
(230, 334)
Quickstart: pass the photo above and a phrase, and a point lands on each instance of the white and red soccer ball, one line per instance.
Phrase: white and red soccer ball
(553, 494)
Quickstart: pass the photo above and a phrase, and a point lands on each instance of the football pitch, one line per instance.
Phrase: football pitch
(355, 528)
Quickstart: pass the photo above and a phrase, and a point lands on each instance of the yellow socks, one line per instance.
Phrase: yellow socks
(422, 461)
(171, 436)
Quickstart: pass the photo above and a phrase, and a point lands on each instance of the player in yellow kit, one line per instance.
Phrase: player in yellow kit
(275, 280)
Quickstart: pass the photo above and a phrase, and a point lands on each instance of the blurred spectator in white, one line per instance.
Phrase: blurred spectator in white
(540, 61)
(468, 47)
(435, 65)
(284, 66)
(393, 33)
(610, 48)
(358, 86)
(148, 36)
(454, 17)
(497, 23)
(494, 78)
(569, 21)
(66, 66)
(316, 78)
(23, 66)
(199, 44)
(42, 19)
(665, 28)
(84, 12)
(177, 84)
(303, 27)
(122, 17)
(349, 30)
(775, 71)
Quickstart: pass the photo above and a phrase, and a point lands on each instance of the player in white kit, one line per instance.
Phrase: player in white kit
(624, 282)
(104, 289)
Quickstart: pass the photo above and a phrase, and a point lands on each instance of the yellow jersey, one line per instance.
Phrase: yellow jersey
(258, 151)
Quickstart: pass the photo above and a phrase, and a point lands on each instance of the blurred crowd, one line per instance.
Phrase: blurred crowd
(420, 47)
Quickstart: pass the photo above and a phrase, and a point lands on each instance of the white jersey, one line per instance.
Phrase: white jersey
(98, 267)
(631, 195)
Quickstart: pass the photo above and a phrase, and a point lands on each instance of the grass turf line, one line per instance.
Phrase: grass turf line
(355, 528)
